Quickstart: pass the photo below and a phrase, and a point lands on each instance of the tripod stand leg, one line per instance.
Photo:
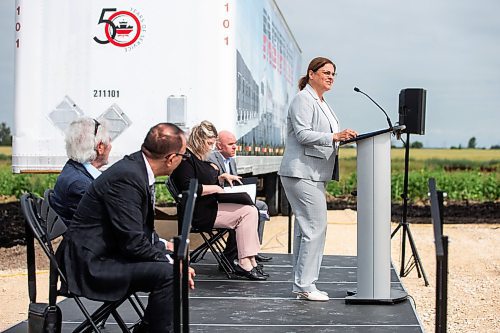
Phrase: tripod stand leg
(403, 251)
(418, 262)
(396, 230)
(406, 227)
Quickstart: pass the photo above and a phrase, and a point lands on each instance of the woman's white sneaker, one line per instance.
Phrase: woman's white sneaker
(322, 292)
(313, 296)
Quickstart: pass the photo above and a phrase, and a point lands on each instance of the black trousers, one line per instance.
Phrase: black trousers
(156, 278)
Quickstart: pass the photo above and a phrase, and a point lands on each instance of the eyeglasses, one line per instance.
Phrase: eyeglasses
(328, 73)
(96, 126)
(185, 156)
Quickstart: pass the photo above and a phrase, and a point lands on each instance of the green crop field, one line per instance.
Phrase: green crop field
(464, 174)
(479, 155)
(6, 150)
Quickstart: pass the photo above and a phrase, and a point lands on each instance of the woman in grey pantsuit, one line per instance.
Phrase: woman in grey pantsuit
(308, 163)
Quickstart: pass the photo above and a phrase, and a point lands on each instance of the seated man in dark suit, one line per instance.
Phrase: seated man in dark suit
(223, 157)
(87, 146)
(112, 248)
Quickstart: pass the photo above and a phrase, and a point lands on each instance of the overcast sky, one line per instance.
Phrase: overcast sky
(451, 48)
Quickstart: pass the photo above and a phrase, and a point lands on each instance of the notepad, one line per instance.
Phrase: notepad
(241, 198)
(244, 194)
(250, 189)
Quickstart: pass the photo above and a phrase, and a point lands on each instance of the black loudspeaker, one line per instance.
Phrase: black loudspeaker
(412, 110)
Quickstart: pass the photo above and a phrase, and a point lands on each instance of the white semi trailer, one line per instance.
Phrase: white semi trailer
(137, 63)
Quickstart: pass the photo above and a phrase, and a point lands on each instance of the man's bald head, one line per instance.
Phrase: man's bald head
(164, 148)
(163, 139)
(226, 144)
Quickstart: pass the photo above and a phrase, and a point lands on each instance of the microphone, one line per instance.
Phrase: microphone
(356, 89)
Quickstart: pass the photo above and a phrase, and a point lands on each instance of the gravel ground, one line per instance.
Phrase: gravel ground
(473, 280)
(474, 271)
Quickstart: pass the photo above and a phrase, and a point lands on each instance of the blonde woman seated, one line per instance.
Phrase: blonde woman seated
(208, 213)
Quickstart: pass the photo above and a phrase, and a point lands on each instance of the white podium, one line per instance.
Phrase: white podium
(374, 221)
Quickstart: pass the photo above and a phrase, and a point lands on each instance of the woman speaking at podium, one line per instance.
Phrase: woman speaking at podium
(311, 150)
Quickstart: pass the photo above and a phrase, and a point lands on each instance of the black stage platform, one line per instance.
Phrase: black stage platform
(221, 305)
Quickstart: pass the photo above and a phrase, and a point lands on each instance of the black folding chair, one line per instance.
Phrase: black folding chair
(47, 213)
(213, 240)
(44, 225)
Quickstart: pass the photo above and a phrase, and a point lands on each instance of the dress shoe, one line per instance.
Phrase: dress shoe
(251, 274)
(262, 258)
(260, 269)
(313, 296)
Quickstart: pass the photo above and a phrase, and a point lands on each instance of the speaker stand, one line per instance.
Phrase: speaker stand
(414, 261)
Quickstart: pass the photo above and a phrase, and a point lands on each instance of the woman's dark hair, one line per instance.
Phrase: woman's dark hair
(314, 65)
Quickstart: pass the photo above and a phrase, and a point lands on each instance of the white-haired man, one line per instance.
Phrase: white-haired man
(87, 146)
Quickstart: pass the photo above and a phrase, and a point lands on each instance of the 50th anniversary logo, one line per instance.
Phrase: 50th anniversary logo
(122, 28)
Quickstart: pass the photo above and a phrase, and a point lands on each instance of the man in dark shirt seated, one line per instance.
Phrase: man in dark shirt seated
(223, 157)
(112, 249)
(87, 146)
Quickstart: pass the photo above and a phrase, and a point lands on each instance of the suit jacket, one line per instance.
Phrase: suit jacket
(112, 228)
(217, 158)
(310, 152)
(69, 189)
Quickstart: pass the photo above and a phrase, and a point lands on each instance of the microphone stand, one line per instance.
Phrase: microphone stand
(417, 263)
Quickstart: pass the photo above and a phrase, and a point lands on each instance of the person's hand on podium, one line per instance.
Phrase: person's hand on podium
(344, 135)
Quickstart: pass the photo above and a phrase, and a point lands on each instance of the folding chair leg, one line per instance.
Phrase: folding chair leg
(199, 253)
(228, 267)
(219, 256)
(120, 321)
(98, 316)
(103, 322)
(137, 305)
(89, 322)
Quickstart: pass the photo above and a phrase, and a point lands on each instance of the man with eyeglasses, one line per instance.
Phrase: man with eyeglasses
(112, 248)
(87, 146)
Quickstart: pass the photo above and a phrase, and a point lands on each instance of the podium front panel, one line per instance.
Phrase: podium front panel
(374, 216)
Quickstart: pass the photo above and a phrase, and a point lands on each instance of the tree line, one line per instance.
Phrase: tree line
(471, 144)
(5, 135)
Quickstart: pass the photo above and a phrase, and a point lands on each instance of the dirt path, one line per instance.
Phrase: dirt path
(474, 271)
